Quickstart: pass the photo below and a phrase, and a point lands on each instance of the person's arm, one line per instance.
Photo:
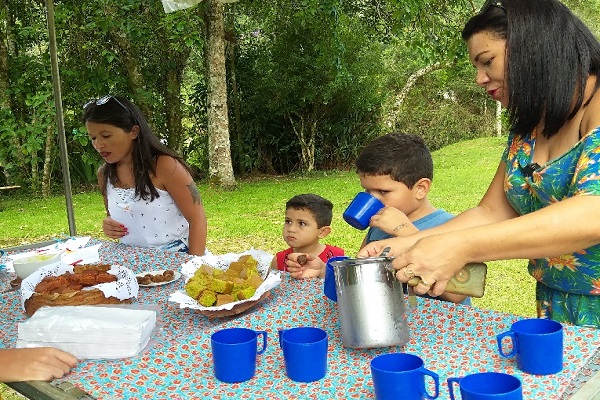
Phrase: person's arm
(111, 228)
(274, 263)
(34, 364)
(393, 222)
(180, 185)
(491, 231)
(492, 208)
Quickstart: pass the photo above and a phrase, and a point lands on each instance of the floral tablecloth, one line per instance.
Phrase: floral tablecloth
(453, 340)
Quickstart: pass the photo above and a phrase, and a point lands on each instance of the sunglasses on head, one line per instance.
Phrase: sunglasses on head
(492, 3)
(105, 99)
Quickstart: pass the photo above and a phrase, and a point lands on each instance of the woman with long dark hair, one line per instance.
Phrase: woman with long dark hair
(543, 65)
(150, 197)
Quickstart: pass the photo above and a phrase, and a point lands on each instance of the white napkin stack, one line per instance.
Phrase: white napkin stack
(89, 331)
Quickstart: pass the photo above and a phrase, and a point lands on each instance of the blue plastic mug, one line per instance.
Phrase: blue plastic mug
(329, 282)
(537, 344)
(304, 353)
(361, 209)
(401, 376)
(487, 386)
(234, 353)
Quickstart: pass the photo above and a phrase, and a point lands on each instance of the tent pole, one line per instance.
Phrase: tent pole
(64, 158)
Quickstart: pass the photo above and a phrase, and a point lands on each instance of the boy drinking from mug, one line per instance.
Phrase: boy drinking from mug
(398, 170)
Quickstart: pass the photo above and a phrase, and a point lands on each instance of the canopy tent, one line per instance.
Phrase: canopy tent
(62, 138)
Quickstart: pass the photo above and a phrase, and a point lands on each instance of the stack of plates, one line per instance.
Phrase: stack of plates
(89, 331)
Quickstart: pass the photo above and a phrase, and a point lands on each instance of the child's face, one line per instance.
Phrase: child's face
(390, 192)
(300, 228)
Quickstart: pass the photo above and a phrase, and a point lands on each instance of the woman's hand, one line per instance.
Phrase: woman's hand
(113, 229)
(34, 364)
(435, 259)
(393, 222)
(309, 268)
(397, 245)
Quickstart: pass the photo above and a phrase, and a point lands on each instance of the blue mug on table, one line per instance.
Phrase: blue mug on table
(487, 386)
(329, 282)
(537, 344)
(234, 352)
(359, 212)
(304, 353)
(402, 376)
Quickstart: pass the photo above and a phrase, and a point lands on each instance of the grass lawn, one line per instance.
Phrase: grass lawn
(252, 216)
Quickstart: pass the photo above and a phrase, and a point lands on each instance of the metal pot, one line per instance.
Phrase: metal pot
(370, 302)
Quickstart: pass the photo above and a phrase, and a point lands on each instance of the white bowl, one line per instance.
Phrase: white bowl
(28, 265)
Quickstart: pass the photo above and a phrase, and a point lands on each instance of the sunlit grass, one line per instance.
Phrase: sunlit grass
(252, 215)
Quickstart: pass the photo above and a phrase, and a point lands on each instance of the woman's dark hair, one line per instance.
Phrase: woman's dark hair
(120, 112)
(550, 53)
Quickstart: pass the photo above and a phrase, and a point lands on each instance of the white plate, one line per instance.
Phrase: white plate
(157, 272)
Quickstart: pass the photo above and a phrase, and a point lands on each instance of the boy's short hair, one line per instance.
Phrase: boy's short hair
(319, 207)
(404, 157)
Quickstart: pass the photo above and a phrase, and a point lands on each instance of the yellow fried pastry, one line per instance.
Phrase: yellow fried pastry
(207, 298)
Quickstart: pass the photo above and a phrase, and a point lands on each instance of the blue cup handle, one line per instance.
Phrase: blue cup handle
(264, 341)
(451, 382)
(280, 332)
(435, 378)
(500, 337)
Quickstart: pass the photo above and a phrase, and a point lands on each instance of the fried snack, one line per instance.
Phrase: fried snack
(224, 299)
(193, 288)
(255, 281)
(79, 268)
(302, 259)
(169, 275)
(82, 276)
(144, 280)
(221, 286)
(148, 279)
(238, 282)
(246, 292)
(207, 298)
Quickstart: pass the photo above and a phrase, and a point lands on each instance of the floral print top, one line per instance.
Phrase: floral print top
(575, 173)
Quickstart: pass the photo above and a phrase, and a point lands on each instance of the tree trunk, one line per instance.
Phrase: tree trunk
(4, 81)
(390, 120)
(131, 61)
(173, 109)
(219, 154)
(7, 47)
(236, 105)
(305, 130)
(46, 184)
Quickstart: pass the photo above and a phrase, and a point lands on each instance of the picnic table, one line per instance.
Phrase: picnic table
(453, 340)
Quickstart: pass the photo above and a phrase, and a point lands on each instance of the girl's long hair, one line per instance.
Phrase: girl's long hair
(147, 147)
